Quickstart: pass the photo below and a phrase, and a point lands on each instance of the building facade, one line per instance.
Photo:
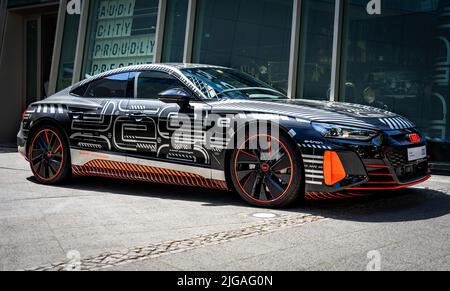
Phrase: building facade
(392, 54)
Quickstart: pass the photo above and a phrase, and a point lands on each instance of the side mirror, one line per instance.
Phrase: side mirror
(176, 96)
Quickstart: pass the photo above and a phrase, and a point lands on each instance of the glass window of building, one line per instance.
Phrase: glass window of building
(17, 3)
(316, 45)
(253, 36)
(31, 61)
(174, 31)
(120, 33)
(400, 61)
(67, 57)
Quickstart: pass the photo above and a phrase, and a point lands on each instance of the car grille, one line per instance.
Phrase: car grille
(398, 158)
(404, 169)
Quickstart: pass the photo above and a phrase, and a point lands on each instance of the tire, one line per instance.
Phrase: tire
(268, 178)
(49, 155)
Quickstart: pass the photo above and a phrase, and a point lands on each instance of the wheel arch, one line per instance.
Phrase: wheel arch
(229, 151)
(46, 121)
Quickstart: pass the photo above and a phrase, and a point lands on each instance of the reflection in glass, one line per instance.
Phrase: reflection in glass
(150, 84)
(67, 58)
(230, 83)
(316, 45)
(174, 31)
(31, 61)
(120, 33)
(252, 36)
(399, 60)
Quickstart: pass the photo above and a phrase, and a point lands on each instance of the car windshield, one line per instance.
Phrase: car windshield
(224, 83)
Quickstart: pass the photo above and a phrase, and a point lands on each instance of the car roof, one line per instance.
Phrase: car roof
(145, 67)
(193, 66)
(173, 68)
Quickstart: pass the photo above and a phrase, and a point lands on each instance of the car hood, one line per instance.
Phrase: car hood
(319, 111)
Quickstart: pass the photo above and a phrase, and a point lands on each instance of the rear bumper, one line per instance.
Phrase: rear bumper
(22, 144)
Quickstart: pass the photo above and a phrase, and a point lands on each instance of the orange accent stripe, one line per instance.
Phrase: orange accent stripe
(317, 195)
(58, 148)
(134, 172)
(342, 196)
(391, 187)
(332, 196)
(333, 170)
(380, 175)
(358, 194)
(46, 137)
(308, 196)
(382, 182)
(377, 166)
(328, 195)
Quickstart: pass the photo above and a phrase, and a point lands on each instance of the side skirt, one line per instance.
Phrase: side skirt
(120, 170)
(86, 163)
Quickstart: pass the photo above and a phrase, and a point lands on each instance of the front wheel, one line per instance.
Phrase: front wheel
(266, 171)
(49, 155)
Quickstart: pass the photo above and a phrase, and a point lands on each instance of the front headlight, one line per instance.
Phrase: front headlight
(344, 132)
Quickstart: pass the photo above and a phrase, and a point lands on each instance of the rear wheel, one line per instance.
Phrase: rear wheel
(267, 171)
(49, 155)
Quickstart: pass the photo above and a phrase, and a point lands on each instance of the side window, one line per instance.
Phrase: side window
(114, 86)
(79, 91)
(150, 83)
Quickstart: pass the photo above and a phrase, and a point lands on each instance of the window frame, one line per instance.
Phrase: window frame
(192, 94)
(89, 83)
(128, 94)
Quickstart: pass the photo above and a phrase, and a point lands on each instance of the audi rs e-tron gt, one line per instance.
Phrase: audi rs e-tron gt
(215, 127)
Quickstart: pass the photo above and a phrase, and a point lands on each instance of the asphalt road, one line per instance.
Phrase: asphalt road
(101, 224)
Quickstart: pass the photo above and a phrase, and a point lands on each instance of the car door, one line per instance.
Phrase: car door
(93, 118)
(161, 131)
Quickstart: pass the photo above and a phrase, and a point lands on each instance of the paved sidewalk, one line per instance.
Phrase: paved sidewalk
(117, 225)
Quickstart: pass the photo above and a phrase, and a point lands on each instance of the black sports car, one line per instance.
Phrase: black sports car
(215, 127)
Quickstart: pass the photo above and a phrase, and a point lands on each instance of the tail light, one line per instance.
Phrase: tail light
(24, 114)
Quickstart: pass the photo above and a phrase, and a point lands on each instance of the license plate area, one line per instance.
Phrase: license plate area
(417, 153)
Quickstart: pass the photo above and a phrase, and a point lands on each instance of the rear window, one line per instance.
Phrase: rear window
(114, 86)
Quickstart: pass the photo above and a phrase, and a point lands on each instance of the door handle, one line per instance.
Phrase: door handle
(76, 114)
(137, 116)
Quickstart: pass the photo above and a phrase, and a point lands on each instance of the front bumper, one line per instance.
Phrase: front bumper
(368, 168)
(384, 175)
